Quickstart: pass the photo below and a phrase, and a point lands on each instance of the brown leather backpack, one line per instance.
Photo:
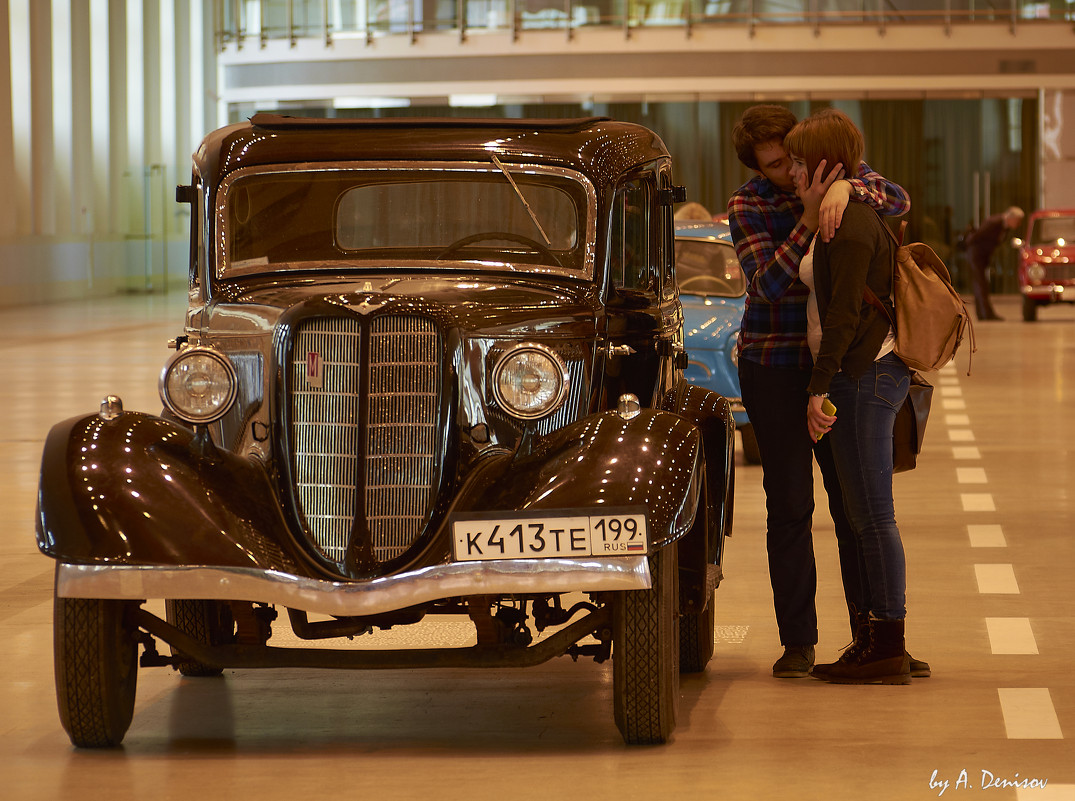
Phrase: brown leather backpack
(931, 318)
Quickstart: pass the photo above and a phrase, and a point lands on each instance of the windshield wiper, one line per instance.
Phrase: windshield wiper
(515, 186)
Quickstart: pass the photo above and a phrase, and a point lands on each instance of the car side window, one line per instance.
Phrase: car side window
(630, 252)
(666, 257)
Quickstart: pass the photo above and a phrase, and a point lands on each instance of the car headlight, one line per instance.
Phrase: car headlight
(529, 381)
(198, 384)
(1036, 273)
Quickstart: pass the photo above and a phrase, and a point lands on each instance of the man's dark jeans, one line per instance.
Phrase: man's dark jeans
(775, 400)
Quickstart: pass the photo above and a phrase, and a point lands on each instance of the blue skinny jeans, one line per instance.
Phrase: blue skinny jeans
(862, 449)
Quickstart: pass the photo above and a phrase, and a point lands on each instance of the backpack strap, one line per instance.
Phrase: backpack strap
(868, 294)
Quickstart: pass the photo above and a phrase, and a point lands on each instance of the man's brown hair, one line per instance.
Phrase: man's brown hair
(760, 125)
(827, 134)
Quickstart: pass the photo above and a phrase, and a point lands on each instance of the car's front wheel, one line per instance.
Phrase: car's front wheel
(95, 649)
(645, 655)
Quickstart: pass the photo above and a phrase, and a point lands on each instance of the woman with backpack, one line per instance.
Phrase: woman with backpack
(857, 372)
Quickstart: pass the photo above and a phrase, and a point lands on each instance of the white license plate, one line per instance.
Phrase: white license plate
(553, 535)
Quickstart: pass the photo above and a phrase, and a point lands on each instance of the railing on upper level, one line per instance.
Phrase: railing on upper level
(243, 23)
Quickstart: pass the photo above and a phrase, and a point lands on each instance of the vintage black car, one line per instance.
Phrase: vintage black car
(429, 367)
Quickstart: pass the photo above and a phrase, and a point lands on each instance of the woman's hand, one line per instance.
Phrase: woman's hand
(813, 193)
(817, 422)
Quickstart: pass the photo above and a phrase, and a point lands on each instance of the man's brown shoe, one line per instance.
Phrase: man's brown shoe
(795, 663)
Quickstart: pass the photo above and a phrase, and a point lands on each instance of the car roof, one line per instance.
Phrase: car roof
(598, 147)
(704, 229)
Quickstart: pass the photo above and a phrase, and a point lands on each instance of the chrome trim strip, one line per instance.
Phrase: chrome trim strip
(344, 598)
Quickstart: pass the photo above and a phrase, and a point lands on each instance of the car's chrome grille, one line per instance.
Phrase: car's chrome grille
(569, 409)
(324, 429)
(402, 430)
(396, 443)
(1059, 272)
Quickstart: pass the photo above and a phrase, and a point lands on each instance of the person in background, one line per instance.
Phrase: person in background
(981, 244)
(771, 230)
(856, 369)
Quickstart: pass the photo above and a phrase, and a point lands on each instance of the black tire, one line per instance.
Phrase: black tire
(209, 622)
(1030, 309)
(95, 649)
(696, 635)
(696, 629)
(751, 454)
(645, 655)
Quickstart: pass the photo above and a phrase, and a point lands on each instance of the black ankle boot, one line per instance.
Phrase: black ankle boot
(883, 661)
(860, 641)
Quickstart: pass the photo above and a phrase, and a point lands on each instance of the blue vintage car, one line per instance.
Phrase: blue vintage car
(713, 291)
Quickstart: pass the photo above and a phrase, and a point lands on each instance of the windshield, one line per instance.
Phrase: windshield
(708, 267)
(1053, 231)
(304, 219)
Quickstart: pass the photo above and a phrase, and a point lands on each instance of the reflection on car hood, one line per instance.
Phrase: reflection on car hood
(498, 307)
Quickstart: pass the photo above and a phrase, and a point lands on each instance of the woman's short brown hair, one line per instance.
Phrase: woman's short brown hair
(826, 134)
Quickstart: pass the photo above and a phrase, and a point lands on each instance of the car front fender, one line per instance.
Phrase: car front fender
(701, 552)
(138, 489)
(601, 462)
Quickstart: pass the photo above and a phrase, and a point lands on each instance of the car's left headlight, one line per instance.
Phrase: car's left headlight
(198, 384)
(529, 381)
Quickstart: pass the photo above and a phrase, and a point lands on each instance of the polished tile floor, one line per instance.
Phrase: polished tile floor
(986, 520)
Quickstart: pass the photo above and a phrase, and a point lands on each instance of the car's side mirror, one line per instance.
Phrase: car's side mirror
(185, 194)
(631, 298)
(676, 194)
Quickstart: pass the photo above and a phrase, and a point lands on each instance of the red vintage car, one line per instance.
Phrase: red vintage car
(1047, 260)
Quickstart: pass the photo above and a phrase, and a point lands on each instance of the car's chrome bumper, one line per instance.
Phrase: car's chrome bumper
(1051, 293)
(354, 598)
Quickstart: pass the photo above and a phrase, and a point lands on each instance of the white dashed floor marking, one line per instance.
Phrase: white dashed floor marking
(1050, 792)
(977, 502)
(1011, 635)
(988, 535)
(971, 475)
(1029, 713)
(996, 580)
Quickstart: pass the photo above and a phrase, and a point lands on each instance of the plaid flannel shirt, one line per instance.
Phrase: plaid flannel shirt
(770, 242)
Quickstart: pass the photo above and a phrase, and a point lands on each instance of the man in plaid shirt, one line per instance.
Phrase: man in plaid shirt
(772, 228)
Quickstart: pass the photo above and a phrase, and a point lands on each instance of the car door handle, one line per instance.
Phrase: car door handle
(620, 350)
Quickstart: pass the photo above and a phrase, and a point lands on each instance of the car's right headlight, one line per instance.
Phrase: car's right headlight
(198, 384)
(529, 381)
